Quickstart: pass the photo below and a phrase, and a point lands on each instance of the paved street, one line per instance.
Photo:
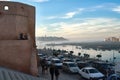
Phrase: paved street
(63, 75)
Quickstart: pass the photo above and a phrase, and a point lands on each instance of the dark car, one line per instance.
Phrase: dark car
(104, 67)
(114, 77)
(82, 64)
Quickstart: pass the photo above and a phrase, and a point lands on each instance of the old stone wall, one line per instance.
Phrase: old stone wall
(17, 36)
(13, 55)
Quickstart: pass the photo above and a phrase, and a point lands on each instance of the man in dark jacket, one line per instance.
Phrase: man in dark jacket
(52, 71)
(56, 73)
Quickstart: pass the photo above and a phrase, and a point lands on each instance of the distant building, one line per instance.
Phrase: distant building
(112, 39)
(17, 37)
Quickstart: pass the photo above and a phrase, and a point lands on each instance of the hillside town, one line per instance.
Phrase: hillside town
(112, 39)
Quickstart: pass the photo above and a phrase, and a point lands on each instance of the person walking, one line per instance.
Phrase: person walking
(43, 66)
(52, 71)
(57, 73)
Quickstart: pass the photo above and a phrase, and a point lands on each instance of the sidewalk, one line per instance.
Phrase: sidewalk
(62, 76)
(45, 76)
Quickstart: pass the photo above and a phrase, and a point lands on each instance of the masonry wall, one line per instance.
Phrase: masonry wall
(15, 56)
(16, 53)
(19, 18)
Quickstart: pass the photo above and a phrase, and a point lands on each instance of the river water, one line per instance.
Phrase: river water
(106, 55)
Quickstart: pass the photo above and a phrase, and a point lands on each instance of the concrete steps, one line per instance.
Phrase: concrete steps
(7, 74)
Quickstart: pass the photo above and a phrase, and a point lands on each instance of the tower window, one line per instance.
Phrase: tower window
(6, 8)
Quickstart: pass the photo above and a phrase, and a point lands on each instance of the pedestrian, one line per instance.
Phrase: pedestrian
(57, 73)
(52, 71)
(46, 67)
(43, 66)
(21, 37)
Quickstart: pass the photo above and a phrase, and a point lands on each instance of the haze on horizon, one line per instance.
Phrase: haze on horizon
(77, 19)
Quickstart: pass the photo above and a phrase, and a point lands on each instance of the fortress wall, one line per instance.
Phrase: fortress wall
(19, 18)
(16, 56)
(31, 24)
(7, 22)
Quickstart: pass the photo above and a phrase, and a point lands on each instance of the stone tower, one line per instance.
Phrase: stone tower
(17, 37)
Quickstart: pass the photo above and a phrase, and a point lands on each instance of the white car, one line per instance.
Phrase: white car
(56, 62)
(70, 67)
(91, 73)
(67, 60)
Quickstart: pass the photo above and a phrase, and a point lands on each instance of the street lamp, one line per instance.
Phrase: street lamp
(114, 57)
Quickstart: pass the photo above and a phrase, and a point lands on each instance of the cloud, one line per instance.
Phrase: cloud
(89, 28)
(42, 30)
(5, 0)
(72, 14)
(116, 9)
(94, 8)
(52, 17)
(67, 15)
(39, 0)
(104, 6)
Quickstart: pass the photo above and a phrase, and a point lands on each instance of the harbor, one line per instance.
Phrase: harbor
(59, 40)
(107, 56)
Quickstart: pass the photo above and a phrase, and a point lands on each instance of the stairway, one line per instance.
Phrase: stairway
(7, 74)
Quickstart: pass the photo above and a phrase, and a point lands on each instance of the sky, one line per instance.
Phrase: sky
(80, 20)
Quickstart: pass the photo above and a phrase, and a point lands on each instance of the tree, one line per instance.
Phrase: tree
(99, 56)
(55, 53)
(86, 56)
(59, 51)
(79, 54)
(71, 53)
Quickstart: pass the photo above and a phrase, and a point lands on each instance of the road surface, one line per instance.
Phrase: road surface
(63, 76)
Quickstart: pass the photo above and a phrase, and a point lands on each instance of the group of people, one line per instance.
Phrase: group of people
(23, 36)
(53, 70)
(44, 65)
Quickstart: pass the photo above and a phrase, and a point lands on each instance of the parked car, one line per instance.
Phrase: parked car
(82, 64)
(70, 67)
(60, 57)
(67, 60)
(76, 60)
(114, 77)
(40, 56)
(56, 62)
(91, 73)
(48, 61)
(105, 68)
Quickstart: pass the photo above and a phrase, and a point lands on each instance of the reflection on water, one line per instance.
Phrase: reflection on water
(106, 55)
